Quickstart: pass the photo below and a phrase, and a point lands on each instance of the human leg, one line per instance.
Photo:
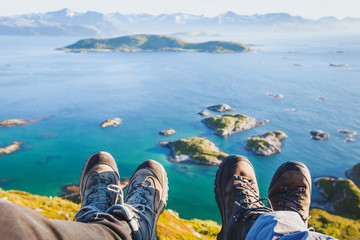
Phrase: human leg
(99, 216)
(290, 196)
(17, 222)
(145, 200)
(98, 176)
(237, 196)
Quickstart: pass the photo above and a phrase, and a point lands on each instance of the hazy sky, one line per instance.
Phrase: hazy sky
(304, 8)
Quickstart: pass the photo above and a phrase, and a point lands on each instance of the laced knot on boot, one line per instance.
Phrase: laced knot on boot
(249, 203)
(137, 201)
(101, 193)
(291, 200)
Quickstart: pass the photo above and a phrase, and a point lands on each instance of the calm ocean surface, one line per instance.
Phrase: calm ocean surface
(71, 94)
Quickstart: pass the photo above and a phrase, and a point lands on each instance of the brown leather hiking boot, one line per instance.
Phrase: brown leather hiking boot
(237, 197)
(99, 188)
(146, 197)
(290, 189)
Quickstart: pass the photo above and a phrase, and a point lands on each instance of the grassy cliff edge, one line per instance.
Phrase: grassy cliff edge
(171, 226)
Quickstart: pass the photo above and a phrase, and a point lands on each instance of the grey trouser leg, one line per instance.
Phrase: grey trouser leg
(17, 222)
(282, 225)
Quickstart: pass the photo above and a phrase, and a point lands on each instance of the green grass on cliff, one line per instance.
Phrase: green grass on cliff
(226, 122)
(334, 225)
(344, 195)
(354, 174)
(170, 225)
(54, 208)
(258, 143)
(147, 42)
(198, 149)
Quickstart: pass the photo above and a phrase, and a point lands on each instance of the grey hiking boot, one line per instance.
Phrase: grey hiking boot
(290, 189)
(237, 197)
(145, 200)
(99, 185)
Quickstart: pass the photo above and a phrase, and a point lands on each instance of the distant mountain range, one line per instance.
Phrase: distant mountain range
(69, 23)
(150, 42)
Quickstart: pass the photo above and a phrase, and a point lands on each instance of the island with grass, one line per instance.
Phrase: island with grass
(195, 150)
(266, 144)
(342, 196)
(15, 122)
(15, 146)
(228, 124)
(148, 42)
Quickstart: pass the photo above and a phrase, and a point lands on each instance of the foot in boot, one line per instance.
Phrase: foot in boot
(146, 196)
(99, 185)
(237, 196)
(290, 189)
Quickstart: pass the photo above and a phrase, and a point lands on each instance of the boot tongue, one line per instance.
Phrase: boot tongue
(100, 196)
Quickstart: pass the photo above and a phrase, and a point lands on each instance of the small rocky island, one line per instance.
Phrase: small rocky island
(195, 150)
(274, 95)
(204, 113)
(228, 124)
(348, 134)
(319, 135)
(266, 144)
(337, 65)
(15, 122)
(167, 132)
(147, 42)
(113, 122)
(342, 196)
(10, 148)
(221, 108)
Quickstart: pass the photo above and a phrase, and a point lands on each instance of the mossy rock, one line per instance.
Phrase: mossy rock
(334, 225)
(228, 124)
(280, 134)
(354, 174)
(221, 108)
(167, 132)
(260, 144)
(197, 150)
(266, 144)
(14, 122)
(342, 194)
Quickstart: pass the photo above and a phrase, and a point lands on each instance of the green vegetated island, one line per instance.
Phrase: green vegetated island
(147, 42)
(338, 214)
(195, 150)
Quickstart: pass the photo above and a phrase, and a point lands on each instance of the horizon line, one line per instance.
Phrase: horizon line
(198, 15)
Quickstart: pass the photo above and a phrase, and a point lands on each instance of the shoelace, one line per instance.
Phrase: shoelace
(92, 207)
(293, 194)
(245, 204)
(100, 190)
(138, 202)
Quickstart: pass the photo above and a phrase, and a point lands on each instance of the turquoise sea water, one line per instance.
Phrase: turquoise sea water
(71, 94)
